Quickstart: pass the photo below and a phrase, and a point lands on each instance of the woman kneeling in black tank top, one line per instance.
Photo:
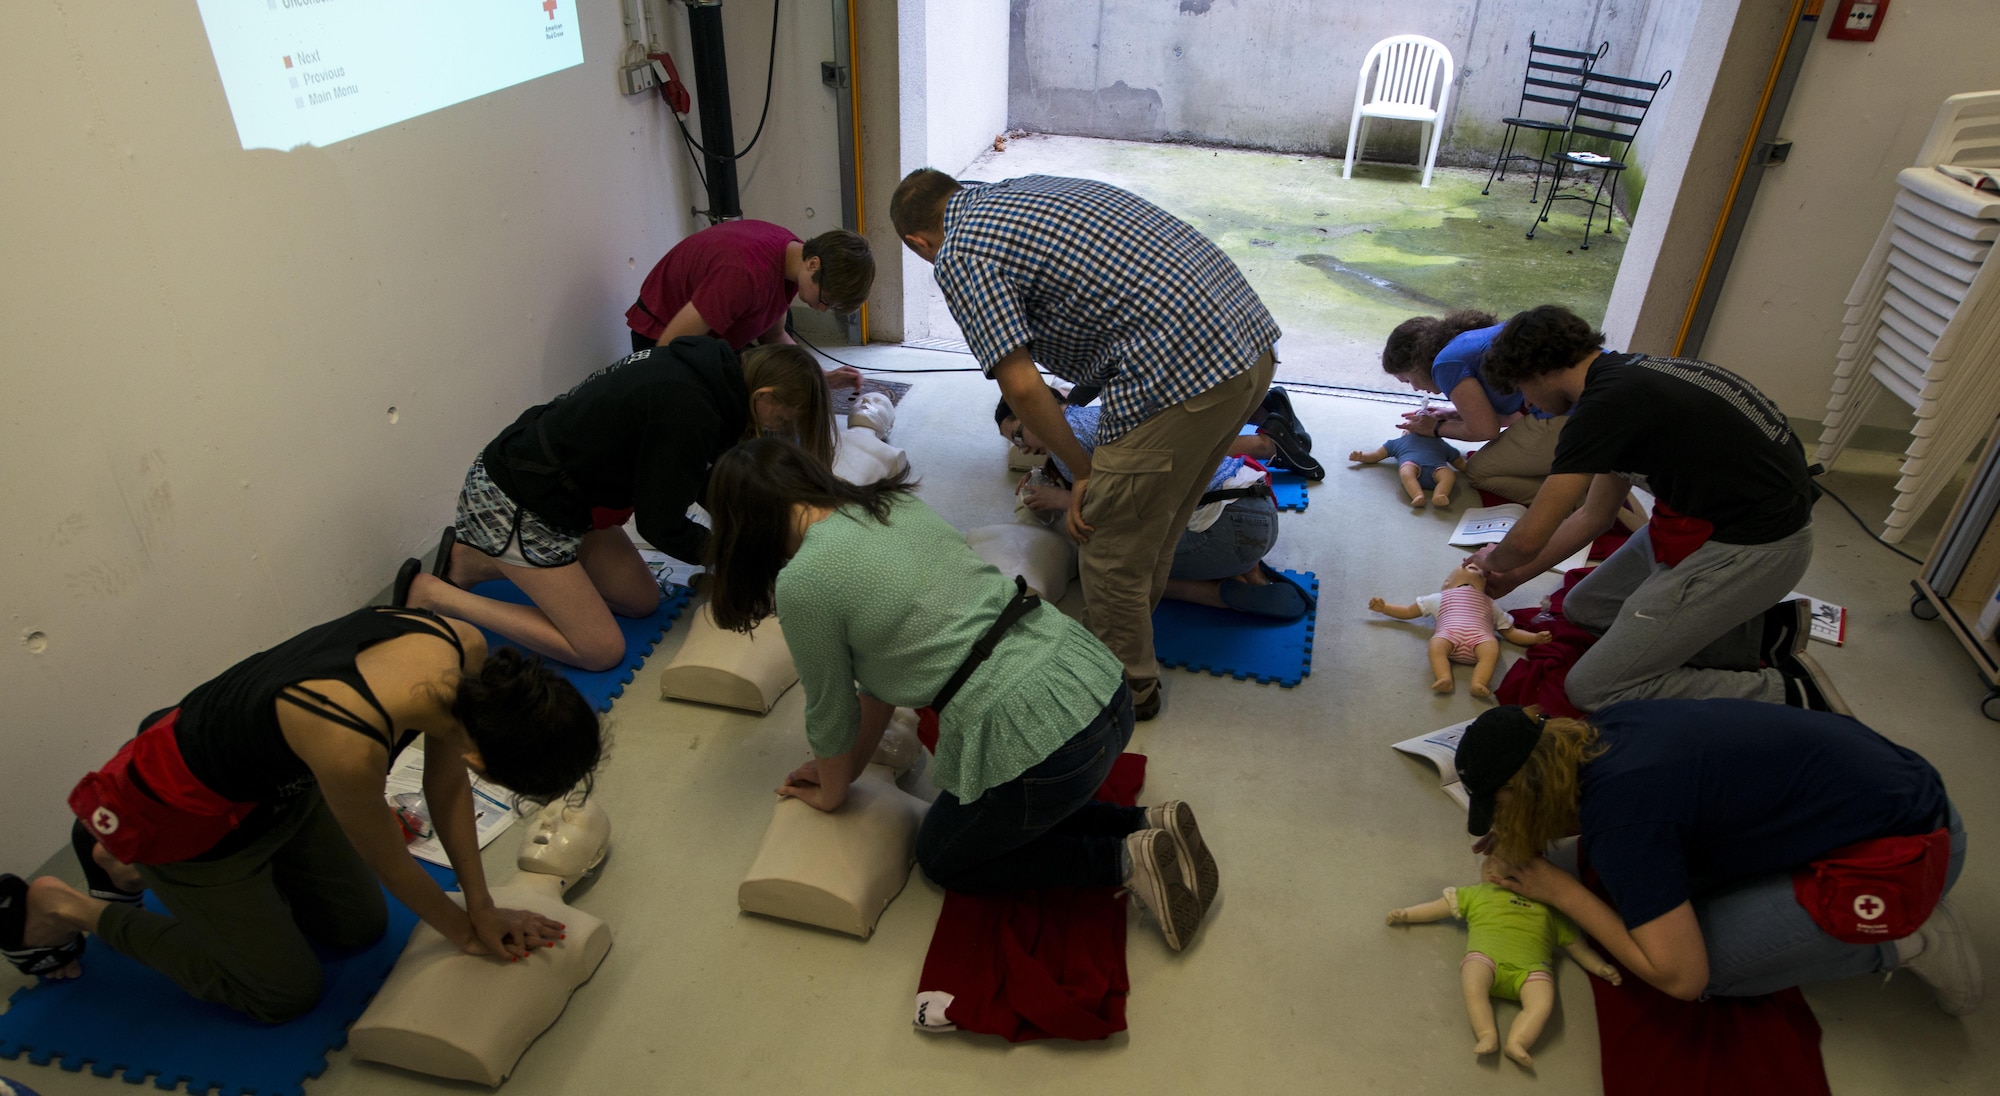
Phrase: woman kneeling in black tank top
(255, 810)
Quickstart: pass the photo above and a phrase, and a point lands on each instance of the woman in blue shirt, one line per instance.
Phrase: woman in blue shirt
(1442, 355)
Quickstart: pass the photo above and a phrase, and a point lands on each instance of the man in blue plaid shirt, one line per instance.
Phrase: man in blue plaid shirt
(1103, 288)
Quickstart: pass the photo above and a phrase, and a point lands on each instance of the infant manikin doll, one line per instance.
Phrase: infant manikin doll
(1469, 628)
(1424, 463)
(1510, 942)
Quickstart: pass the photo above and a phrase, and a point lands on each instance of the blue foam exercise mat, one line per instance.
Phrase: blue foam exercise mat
(1227, 643)
(600, 687)
(127, 1020)
(1288, 490)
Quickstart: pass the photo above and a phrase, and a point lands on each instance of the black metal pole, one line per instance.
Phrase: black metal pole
(711, 89)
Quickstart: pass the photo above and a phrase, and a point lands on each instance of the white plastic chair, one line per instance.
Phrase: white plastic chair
(1408, 70)
(1967, 132)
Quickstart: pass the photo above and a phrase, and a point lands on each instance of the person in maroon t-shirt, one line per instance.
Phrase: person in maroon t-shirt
(736, 280)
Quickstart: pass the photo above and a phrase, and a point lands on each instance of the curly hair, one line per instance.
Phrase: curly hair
(1543, 796)
(1545, 339)
(1417, 341)
(535, 733)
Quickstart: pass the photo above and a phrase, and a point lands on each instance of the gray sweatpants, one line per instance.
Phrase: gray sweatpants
(1691, 631)
(241, 924)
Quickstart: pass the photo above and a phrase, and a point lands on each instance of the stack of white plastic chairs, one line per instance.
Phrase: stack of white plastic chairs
(1923, 319)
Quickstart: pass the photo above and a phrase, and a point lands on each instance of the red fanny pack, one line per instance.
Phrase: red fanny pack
(1675, 536)
(146, 807)
(1874, 891)
(602, 518)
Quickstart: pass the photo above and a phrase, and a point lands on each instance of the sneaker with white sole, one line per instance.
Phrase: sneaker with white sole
(1198, 870)
(1156, 882)
(1808, 686)
(1948, 964)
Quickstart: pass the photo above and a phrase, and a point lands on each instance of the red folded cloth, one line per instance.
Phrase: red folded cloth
(1653, 1045)
(1537, 677)
(1043, 964)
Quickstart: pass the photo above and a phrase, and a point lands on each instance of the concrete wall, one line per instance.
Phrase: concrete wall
(1858, 114)
(1281, 74)
(201, 348)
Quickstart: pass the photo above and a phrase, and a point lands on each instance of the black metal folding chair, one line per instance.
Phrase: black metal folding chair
(1609, 111)
(1548, 102)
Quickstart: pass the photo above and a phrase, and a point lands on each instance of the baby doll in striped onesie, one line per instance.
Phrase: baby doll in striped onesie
(1469, 629)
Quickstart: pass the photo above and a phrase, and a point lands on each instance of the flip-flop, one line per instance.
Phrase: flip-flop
(14, 924)
(1277, 600)
(94, 876)
(399, 593)
(1276, 575)
(442, 563)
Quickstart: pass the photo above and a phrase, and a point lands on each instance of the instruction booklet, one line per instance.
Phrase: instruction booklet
(1483, 525)
(492, 810)
(1440, 748)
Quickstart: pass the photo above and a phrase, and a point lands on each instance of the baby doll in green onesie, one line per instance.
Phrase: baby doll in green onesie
(1509, 945)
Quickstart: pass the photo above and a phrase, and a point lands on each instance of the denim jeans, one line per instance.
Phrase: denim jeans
(1042, 828)
(1243, 533)
(1760, 940)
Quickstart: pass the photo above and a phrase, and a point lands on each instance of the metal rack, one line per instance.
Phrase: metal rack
(1962, 575)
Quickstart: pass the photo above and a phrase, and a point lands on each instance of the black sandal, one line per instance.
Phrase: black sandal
(95, 878)
(1276, 575)
(441, 566)
(399, 594)
(14, 925)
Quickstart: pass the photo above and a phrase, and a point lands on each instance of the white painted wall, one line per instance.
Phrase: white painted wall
(200, 347)
(792, 176)
(952, 68)
(965, 94)
(1856, 118)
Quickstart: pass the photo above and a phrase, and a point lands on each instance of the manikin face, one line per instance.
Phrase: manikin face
(565, 841)
(1466, 576)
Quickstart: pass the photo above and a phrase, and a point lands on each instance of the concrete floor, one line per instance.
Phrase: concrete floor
(1294, 985)
(1339, 262)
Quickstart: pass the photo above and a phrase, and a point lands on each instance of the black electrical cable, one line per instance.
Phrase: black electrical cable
(770, 70)
(1864, 526)
(689, 142)
(872, 369)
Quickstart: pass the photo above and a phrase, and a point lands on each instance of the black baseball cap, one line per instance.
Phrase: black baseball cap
(1492, 750)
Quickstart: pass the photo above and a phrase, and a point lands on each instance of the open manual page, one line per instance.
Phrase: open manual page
(1440, 748)
(491, 813)
(1829, 621)
(1483, 525)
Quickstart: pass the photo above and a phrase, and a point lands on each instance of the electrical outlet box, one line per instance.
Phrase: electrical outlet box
(638, 79)
(1857, 20)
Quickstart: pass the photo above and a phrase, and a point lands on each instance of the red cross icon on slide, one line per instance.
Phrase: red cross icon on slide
(1869, 908)
(550, 7)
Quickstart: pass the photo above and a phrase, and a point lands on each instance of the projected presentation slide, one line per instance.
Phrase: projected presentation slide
(312, 72)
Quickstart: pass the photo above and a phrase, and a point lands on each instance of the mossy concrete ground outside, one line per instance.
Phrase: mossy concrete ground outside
(1338, 261)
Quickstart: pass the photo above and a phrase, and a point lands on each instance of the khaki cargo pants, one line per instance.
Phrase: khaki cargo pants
(1144, 487)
